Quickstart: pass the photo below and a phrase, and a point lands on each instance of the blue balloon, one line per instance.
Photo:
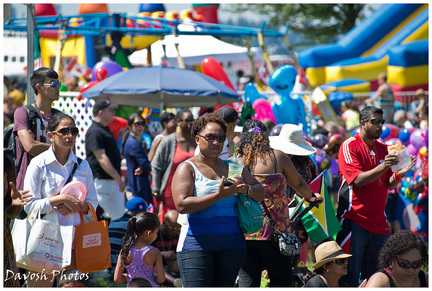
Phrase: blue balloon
(404, 135)
(251, 93)
(151, 7)
(282, 80)
(355, 131)
(385, 132)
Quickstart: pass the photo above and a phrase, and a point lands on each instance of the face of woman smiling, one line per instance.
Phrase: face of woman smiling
(208, 147)
(60, 140)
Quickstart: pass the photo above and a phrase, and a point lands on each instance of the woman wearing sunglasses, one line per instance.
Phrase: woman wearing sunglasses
(331, 264)
(138, 165)
(400, 261)
(47, 175)
(211, 247)
(172, 150)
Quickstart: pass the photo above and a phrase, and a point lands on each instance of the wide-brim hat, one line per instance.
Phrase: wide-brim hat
(290, 141)
(328, 252)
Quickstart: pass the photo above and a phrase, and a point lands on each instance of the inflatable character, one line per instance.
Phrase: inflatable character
(288, 109)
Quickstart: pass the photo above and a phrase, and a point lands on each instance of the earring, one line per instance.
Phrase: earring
(391, 266)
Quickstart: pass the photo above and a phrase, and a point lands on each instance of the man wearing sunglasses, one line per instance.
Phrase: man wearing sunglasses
(366, 175)
(104, 158)
(31, 120)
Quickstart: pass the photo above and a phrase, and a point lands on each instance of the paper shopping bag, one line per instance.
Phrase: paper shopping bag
(92, 246)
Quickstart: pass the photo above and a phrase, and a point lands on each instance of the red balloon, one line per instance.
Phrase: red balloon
(212, 68)
(101, 74)
(45, 9)
(87, 86)
(116, 125)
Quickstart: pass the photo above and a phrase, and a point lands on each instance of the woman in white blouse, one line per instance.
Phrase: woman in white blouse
(47, 174)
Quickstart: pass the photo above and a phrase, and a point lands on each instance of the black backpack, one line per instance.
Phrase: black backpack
(9, 137)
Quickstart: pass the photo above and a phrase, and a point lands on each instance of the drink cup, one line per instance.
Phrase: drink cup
(235, 167)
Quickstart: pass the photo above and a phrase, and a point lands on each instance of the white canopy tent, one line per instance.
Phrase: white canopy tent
(193, 49)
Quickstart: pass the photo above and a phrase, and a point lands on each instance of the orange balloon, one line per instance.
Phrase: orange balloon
(93, 8)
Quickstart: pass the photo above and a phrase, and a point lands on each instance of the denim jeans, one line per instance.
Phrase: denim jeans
(364, 248)
(210, 268)
(265, 255)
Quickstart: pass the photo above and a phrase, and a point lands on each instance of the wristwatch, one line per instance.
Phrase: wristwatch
(249, 191)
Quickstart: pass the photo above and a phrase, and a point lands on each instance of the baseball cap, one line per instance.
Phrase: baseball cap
(136, 204)
(101, 104)
(228, 114)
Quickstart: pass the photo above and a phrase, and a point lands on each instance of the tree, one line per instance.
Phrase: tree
(322, 22)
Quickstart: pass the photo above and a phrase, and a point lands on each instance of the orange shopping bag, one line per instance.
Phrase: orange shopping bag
(92, 246)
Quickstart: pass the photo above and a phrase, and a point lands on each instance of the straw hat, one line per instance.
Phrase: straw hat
(328, 252)
(290, 141)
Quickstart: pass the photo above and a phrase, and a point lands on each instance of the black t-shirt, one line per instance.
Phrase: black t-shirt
(315, 281)
(100, 137)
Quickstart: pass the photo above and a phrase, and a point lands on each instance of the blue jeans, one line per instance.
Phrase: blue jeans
(364, 248)
(210, 268)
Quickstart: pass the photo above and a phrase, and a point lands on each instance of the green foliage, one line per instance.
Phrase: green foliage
(322, 22)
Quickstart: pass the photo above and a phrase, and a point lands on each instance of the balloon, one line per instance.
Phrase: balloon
(251, 93)
(93, 8)
(404, 136)
(306, 137)
(263, 110)
(87, 86)
(116, 125)
(101, 74)
(319, 140)
(150, 7)
(391, 141)
(422, 151)
(417, 138)
(212, 68)
(276, 130)
(355, 131)
(427, 138)
(282, 80)
(412, 150)
(45, 9)
(385, 132)
(334, 168)
(110, 66)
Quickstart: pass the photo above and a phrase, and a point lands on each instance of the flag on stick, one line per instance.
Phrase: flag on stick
(320, 223)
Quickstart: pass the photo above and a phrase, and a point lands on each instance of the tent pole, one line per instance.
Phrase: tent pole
(162, 102)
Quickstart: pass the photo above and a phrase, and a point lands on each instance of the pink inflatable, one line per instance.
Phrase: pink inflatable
(75, 188)
(263, 110)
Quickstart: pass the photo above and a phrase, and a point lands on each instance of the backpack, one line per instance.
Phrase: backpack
(9, 137)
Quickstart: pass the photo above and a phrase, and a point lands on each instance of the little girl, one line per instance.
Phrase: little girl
(137, 255)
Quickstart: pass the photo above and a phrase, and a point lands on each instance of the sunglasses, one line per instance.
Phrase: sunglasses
(66, 130)
(139, 123)
(54, 84)
(187, 120)
(406, 266)
(375, 121)
(213, 137)
(340, 261)
(174, 228)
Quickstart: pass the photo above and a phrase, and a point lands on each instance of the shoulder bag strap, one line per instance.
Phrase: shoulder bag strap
(73, 171)
(273, 224)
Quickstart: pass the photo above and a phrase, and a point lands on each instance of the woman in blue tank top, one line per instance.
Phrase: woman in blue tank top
(211, 248)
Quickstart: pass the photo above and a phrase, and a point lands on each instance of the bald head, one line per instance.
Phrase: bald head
(171, 217)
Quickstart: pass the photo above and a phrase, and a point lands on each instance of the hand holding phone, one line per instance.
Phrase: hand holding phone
(228, 182)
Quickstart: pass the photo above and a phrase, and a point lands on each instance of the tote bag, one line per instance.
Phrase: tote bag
(43, 245)
(92, 246)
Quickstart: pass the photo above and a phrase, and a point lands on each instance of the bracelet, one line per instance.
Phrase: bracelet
(396, 177)
(312, 199)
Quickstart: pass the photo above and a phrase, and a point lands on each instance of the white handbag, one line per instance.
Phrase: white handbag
(42, 245)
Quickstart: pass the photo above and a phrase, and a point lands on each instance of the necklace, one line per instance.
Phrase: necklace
(374, 160)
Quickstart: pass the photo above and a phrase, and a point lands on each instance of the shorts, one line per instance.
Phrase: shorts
(110, 199)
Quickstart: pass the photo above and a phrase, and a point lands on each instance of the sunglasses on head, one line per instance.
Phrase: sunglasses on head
(187, 120)
(375, 121)
(139, 123)
(54, 84)
(64, 131)
(210, 137)
(340, 261)
(406, 266)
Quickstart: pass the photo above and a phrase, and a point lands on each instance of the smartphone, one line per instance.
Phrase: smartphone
(228, 182)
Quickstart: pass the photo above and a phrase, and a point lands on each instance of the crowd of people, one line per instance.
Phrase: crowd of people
(174, 220)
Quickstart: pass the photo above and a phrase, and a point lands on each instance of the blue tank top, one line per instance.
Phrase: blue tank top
(215, 227)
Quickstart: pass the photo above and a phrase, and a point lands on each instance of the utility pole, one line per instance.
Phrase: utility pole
(30, 51)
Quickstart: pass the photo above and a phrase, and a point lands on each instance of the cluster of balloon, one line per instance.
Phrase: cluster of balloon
(100, 71)
(260, 104)
(333, 145)
(287, 109)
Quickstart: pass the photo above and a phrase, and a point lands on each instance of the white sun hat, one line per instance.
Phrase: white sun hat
(290, 141)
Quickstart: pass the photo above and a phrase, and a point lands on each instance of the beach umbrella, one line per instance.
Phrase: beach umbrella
(160, 87)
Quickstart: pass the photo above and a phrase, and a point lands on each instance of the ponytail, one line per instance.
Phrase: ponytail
(125, 136)
(129, 238)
